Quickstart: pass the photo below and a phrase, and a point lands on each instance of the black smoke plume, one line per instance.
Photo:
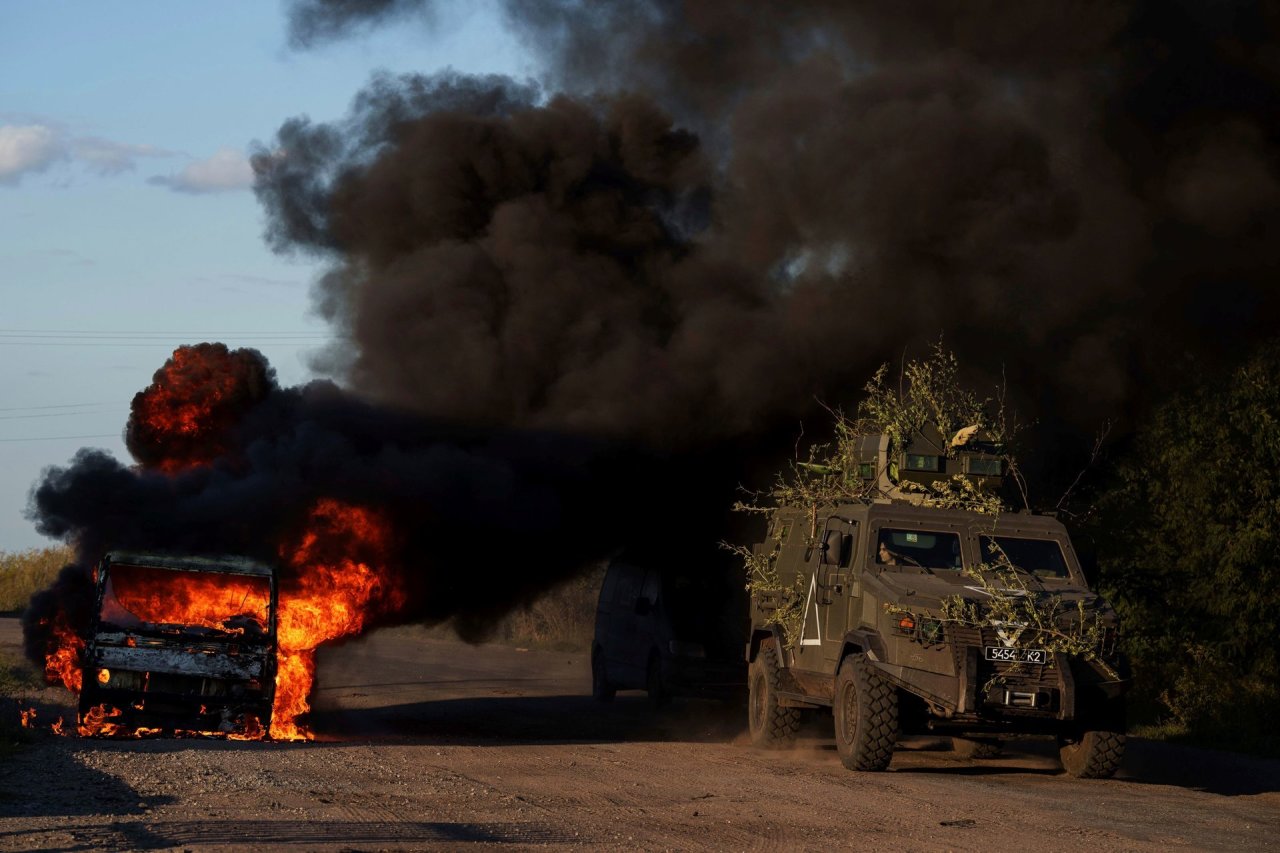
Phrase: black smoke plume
(731, 208)
(482, 520)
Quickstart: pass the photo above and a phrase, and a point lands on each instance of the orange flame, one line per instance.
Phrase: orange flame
(62, 659)
(340, 579)
(97, 721)
(160, 596)
(56, 728)
(28, 717)
(182, 419)
(253, 730)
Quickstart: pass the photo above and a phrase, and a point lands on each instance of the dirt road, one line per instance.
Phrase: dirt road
(432, 743)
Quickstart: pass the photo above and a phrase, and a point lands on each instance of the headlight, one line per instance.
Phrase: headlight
(923, 628)
(121, 679)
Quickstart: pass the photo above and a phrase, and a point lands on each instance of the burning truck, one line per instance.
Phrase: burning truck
(180, 645)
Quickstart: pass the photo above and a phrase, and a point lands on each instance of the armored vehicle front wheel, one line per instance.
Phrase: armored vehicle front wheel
(769, 723)
(1093, 755)
(601, 689)
(866, 715)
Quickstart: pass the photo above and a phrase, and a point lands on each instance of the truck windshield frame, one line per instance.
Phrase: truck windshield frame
(141, 596)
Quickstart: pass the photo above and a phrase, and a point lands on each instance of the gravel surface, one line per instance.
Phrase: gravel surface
(431, 743)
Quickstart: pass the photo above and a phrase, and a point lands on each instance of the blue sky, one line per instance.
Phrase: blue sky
(126, 223)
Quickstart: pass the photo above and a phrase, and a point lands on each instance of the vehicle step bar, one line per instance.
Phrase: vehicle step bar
(787, 699)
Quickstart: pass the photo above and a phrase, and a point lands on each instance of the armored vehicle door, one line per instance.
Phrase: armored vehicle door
(827, 563)
(834, 584)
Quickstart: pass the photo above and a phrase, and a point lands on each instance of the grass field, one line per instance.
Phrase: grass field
(23, 573)
(563, 619)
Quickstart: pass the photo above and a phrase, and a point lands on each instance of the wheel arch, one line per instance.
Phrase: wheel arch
(759, 635)
(860, 641)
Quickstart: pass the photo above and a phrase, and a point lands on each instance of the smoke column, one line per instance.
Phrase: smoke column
(706, 214)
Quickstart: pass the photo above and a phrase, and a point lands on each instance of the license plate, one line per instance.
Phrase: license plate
(1001, 654)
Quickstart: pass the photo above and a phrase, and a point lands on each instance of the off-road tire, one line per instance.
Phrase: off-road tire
(1094, 755)
(658, 694)
(866, 715)
(771, 725)
(601, 689)
(977, 747)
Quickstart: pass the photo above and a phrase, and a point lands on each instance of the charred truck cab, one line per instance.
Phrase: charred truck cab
(878, 640)
(180, 645)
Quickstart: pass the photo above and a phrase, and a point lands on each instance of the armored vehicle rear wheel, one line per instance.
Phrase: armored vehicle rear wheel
(769, 723)
(1093, 755)
(866, 716)
(601, 689)
(976, 747)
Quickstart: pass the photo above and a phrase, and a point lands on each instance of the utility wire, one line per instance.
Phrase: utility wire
(57, 406)
(61, 332)
(62, 437)
(49, 415)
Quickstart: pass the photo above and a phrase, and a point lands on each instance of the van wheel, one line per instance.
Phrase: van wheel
(769, 723)
(601, 689)
(658, 695)
(976, 747)
(866, 716)
(1093, 755)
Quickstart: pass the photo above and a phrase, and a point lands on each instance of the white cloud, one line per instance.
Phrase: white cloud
(226, 169)
(26, 149)
(111, 158)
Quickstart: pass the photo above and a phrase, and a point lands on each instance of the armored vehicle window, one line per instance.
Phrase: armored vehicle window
(921, 462)
(1041, 557)
(145, 595)
(925, 549)
(984, 467)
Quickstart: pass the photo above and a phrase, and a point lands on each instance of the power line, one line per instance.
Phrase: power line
(266, 332)
(62, 437)
(158, 342)
(54, 414)
(57, 406)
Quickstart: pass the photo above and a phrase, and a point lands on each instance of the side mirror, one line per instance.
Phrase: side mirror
(831, 548)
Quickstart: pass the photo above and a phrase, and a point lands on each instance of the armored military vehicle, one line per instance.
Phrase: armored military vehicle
(894, 624)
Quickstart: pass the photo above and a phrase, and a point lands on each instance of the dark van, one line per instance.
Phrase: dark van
(668, 632)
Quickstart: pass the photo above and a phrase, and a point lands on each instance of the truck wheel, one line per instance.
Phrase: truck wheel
(601, 689)
(1093, 755)
(866, 716)
(769, 723)
(976, 747)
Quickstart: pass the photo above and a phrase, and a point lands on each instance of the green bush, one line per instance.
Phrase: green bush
(1189, 544)
(23, 573)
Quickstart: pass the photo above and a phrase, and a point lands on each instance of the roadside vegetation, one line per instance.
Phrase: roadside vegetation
(561, 620)
(23, 573)
(1187, 533)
